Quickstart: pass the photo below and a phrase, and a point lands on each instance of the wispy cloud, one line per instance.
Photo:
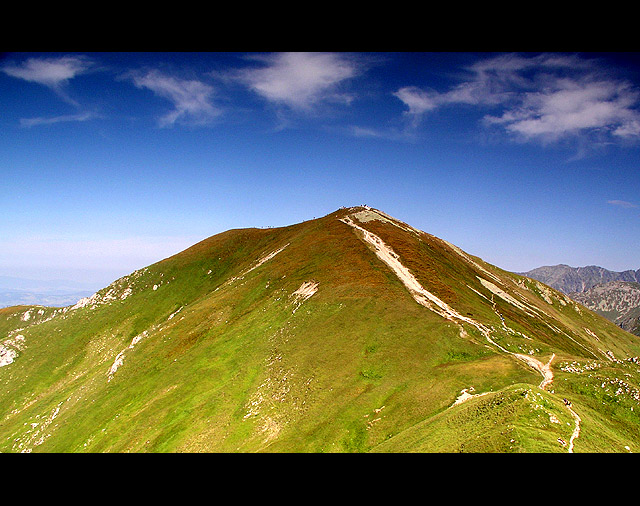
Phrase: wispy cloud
(301, 81)
(546, 98)
(569, 107)
(418, 101)
(54, 73)
(391, 134)
(30, 122)
(192, 99)
(622, 203)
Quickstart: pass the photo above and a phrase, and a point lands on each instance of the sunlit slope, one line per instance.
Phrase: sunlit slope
(352, 332)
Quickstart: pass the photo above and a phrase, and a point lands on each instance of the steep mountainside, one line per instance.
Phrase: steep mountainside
(618, 301)
(354, 332)
(578, 279)
(631, 321)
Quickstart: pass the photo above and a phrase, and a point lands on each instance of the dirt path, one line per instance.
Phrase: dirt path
(545, 370)
(576, 430)
(417, 291)
(542, 368)
(429, 300)
(547, 374)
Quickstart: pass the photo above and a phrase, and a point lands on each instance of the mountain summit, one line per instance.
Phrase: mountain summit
(354, 332)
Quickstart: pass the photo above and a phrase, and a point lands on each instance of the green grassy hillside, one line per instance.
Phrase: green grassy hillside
(308, 338)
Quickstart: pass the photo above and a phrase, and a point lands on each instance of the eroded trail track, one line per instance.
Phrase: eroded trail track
(576, 430)
(542, 368)
(425, 298)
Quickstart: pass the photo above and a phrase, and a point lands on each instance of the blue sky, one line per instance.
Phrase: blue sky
(112, 161)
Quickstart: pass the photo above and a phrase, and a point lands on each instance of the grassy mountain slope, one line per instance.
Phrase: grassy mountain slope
(317, 338)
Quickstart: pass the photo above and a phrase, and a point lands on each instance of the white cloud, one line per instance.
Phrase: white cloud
(301, 81)
(547, 97)
(417, 100)
(622, 203)
(490, 83)
(191, 99)
(55, 73)
(49, 71)
(568, 107)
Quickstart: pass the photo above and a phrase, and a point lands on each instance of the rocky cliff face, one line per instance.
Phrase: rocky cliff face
(618, 301)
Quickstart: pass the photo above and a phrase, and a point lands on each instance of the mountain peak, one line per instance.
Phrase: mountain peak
(354, 332)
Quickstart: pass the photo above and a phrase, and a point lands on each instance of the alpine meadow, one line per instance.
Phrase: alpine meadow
(354, 332)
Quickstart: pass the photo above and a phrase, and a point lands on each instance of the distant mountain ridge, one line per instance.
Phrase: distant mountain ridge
(614, 295)
(578, 279)
(618, 301)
